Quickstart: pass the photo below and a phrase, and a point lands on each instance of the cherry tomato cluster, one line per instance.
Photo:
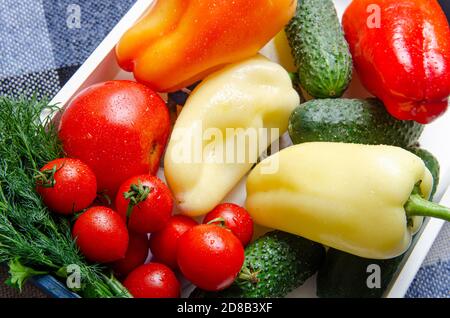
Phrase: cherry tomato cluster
(117, 158)
(210, 255)
(118, 237)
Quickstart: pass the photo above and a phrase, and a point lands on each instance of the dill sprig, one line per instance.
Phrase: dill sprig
(29, 234)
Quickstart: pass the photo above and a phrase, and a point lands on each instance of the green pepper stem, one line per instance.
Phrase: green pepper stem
(418, 206)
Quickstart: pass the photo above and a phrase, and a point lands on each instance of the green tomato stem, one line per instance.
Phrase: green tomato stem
(137, 194)
(418, 206)
(221, 222)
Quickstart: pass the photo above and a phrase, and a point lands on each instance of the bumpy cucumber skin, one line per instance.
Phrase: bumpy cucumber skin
(431, 163)
(351, 121)
(319, 48)
(345, 275)
(283, 262)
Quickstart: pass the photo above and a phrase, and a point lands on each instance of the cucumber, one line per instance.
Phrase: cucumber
(432, 164)
(345, 275)
(275, 264)
(351, 121)
(319, 48)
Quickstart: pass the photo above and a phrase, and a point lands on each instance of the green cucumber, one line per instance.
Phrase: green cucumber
(345, 275)
(432, 164)
(319, 48)
(275, 264)
(351, 121)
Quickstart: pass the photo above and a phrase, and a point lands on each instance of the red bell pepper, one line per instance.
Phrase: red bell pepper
(401, 51)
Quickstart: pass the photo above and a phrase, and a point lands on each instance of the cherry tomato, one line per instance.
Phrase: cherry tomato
(210, 256)
(118, 128)
(235, 218)
(135, 256)
(152, 280)
(66, 185)
(101, 235)
(163, 243)
(146, 202)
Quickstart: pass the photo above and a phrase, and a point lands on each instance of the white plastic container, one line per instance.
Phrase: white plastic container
(102, 66)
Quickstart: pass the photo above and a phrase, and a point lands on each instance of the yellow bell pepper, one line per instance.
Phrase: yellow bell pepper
(361, 199)
(244, 97)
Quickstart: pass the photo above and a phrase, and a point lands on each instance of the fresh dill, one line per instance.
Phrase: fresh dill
(29, 234)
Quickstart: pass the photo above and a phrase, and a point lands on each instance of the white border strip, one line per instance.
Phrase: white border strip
(100, 53)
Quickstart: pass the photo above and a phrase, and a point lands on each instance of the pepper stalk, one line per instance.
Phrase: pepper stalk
(418, 206)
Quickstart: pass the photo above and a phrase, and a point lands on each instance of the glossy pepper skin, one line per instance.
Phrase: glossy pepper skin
(247, 97)
(405, 60)
(347, 196)
(179, 42)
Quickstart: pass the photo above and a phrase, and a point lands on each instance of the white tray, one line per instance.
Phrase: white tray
(102, 66)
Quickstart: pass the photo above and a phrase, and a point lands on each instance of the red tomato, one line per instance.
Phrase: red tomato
(163, 243)
(67, 185)
(135, 256)
(152, 280)
(119, 128)
(235, 218)
(210, 256)
(153, 209)
(101, 235)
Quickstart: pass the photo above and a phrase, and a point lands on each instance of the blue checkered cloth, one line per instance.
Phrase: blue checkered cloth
(43, 42)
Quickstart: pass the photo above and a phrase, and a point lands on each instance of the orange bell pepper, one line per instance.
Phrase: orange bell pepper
(178, 42)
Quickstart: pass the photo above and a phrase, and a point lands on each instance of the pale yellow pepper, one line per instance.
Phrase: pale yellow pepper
(252, 94)
(346, 196)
